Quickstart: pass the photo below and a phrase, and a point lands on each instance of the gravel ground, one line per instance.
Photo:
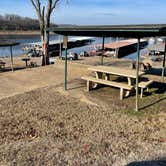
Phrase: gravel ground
(50, 127)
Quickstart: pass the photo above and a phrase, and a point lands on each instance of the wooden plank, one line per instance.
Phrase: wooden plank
(110, 83)
(116, 71)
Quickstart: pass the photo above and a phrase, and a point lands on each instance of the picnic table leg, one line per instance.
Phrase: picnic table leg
(107, 77)
(121, 93)
(26, 63)
(98, 76)
(142, 91)
(129, 83)
(11, 52)
(88, 85)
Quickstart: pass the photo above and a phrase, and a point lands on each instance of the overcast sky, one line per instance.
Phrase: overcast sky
(91, 12)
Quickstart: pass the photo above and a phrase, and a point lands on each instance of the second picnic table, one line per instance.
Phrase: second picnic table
(26, 61)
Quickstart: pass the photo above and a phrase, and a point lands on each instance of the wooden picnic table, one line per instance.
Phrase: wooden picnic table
(118, 71)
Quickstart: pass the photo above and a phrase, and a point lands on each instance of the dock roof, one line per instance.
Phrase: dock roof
(116, 45)
(119, 44)
(133, 31)
(5, 43)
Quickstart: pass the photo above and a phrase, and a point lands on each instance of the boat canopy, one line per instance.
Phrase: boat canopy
(5, 43)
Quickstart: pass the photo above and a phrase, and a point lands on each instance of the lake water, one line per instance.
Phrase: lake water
(24, 39)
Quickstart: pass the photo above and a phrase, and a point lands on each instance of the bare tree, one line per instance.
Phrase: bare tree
(44, 16)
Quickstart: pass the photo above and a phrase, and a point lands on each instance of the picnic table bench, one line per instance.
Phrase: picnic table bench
(143, 85)
(122, 86)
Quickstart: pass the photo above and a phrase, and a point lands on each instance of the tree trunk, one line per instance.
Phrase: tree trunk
(46, 49)
(44, 21)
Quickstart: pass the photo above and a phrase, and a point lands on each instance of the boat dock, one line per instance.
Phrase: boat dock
(53, 42)
(123, 47)
(54, 45)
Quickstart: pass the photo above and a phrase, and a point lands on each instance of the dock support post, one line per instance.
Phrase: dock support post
(60, 46)
(11, 56)
(65, 40)
(163, 69)
(102, 51)
(65, 68)
(137, 74)
(117, 53)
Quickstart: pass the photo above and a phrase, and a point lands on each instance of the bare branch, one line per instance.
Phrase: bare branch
(33, 3)
(48, 14)
(49, 5)
(54, 5)
(43, 11)
(38, 5)
(43, 15)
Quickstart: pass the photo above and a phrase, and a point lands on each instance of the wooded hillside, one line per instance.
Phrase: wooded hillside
(16, 22)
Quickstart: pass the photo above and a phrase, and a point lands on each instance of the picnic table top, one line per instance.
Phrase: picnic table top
(25, 59)
(116, 71)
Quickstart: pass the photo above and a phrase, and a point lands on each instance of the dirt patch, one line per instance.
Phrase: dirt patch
(81, 96)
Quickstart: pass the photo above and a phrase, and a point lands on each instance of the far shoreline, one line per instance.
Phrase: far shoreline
(9, 33)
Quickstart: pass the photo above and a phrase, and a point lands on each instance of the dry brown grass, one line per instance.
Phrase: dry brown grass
(45, 127)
